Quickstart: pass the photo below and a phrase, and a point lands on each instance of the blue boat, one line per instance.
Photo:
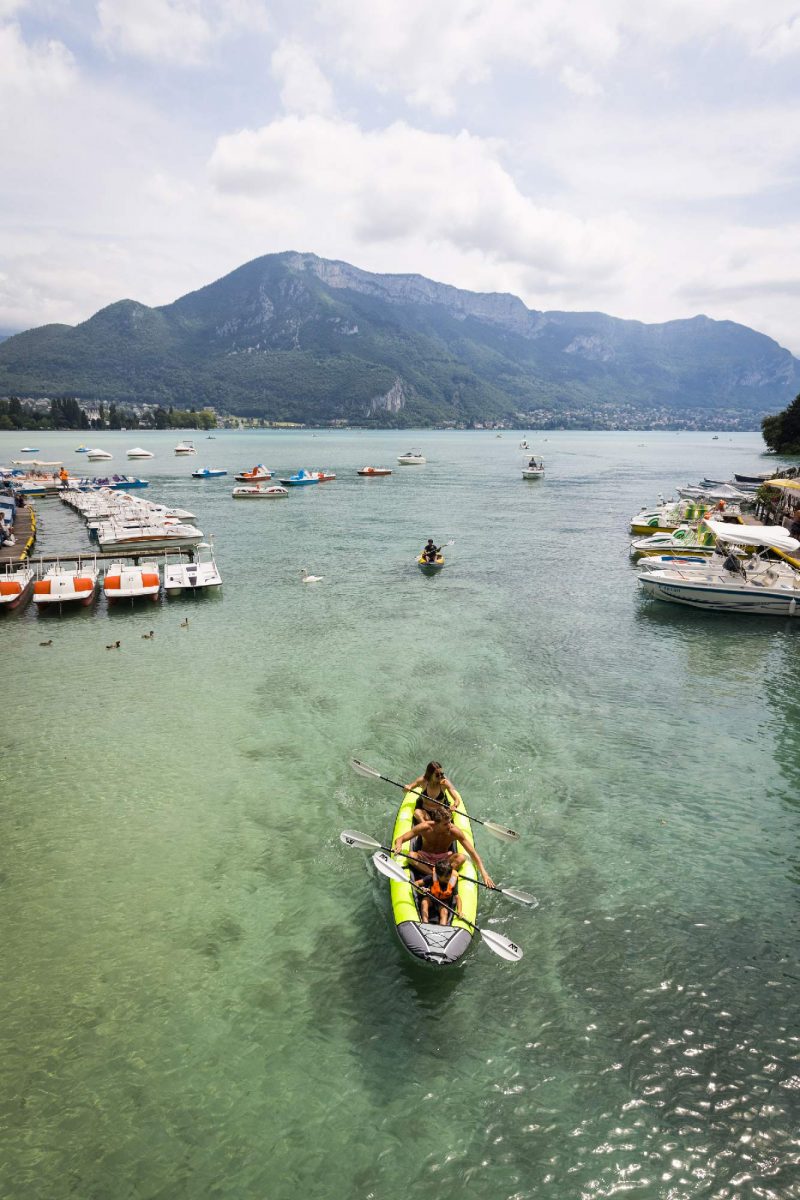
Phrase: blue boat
(81, 449)
(300, 479)
(208, 473)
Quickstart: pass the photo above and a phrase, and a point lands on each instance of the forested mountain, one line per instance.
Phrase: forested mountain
(293, 337)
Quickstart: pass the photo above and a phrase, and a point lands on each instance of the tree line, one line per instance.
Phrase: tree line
(67, 413)
(782, 431)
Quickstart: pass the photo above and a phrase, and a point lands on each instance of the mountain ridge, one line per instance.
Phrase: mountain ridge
(296, 337)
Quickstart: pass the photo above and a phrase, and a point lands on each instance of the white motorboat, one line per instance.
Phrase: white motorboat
(112, 535)
(185, 448)
(257, 492)
(67, 585)
(98, 455)
(414, 458)
(534, 468)
(16, 583)
(193, 576)
(131, 581)
(138, 452)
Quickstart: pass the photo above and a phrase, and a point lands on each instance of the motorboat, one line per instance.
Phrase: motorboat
(185, 448)
(256, 475)
(199, 573)
(81, 449)
(113, 535)
(413, 458)
(430, 566)
(98, 455)
(768, 589)
(722, 491)
(16, 584)
(369, 472)
(29, 450)
(138, 452)
(301, 478)
(131, 581)
(67, 585)
(324, 476)
(534, 468)
(257, 492)
(208, 473)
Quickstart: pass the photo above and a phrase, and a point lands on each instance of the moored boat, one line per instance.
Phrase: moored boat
(258, 492)
(67, 585)
(138, 452)
(16, 584)
(373, 471)
(199, 573)
(131, 581)
(439, 945)
(97, 455)
(185, 448)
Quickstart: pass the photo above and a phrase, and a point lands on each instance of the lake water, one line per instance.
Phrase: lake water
(203, 995)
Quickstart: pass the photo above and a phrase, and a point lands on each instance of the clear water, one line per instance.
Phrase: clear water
(202, 993)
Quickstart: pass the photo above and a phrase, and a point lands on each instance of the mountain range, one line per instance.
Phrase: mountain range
(295, 337)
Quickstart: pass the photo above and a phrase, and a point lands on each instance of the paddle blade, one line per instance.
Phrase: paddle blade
(362, 769)
(500, 831)
(388, 867)
(351, 837)
(520, 896)
(506, 949)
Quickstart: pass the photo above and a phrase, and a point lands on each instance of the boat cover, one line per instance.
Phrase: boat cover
(753, 535)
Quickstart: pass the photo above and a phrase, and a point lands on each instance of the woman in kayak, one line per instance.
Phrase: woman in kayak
(436, 791)
(438, 836)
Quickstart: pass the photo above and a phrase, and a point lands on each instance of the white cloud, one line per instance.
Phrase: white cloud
(181, 32)
(579, 82)
(43, 67)
(304, 88)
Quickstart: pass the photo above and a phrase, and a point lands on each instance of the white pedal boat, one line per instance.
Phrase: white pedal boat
(131, 581)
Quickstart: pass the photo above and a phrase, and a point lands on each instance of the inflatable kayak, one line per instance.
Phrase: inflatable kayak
(430, 568)
(440, 945)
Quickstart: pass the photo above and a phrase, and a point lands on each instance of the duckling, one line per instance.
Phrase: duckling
(149, 635)
(185, 624)
(310, 578)
(48, 643)
(113, 646)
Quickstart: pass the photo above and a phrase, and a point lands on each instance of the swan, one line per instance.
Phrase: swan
(310, 578)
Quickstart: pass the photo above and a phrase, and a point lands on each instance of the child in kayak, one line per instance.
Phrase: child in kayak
(437, 835)
(435, 788)
(443, 888)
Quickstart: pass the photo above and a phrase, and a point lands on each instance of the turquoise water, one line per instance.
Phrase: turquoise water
(203, 995)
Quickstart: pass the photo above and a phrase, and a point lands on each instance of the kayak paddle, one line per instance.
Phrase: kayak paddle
(508, 950)
(499, 831)
(362, 841)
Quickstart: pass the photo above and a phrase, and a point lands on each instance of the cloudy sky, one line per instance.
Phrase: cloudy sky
(640, 159)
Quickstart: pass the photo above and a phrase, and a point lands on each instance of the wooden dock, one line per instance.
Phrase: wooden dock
(24, 536)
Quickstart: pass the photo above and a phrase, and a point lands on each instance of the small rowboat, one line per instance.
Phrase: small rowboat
(256, 492)
(370, 471)
(257, 475)
(208, 473)
(430, 568)
(439, 945)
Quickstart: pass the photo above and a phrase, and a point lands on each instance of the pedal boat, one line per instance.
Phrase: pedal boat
(16, 584)
(369, 472)
(438, 945)
(301, 479)
(131, 581)
(257, 475)
(67, 585)
(208, 473)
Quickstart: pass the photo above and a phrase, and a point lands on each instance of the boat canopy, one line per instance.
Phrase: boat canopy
(753, 535)
(789, 485)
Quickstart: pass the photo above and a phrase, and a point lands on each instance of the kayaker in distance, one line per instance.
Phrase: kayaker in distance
(443, 886)
(430, 551)
(435, 787)
(437, 836)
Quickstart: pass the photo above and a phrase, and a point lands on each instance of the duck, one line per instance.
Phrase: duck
(185, 624)
(48, 643)
(149, 635)
(113, 646)
(310, 578)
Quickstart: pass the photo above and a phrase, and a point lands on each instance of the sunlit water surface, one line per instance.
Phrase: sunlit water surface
(202, 992)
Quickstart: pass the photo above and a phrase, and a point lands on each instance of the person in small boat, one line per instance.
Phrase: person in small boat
(440, 840)
(430, 551)
(436, 789)
(443, 887)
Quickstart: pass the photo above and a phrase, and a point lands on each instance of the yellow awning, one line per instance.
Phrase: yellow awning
(789, 485)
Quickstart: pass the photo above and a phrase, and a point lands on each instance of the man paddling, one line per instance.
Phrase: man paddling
(431, 551)
(437, 836)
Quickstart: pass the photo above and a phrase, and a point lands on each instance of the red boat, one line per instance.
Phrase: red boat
(374, 471)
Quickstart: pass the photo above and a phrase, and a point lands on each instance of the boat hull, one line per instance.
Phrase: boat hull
(430, 568)
(373, 472)
(435, 945)
(761, 601)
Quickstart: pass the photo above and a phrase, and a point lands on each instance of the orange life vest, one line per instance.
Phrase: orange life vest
(444, 894)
